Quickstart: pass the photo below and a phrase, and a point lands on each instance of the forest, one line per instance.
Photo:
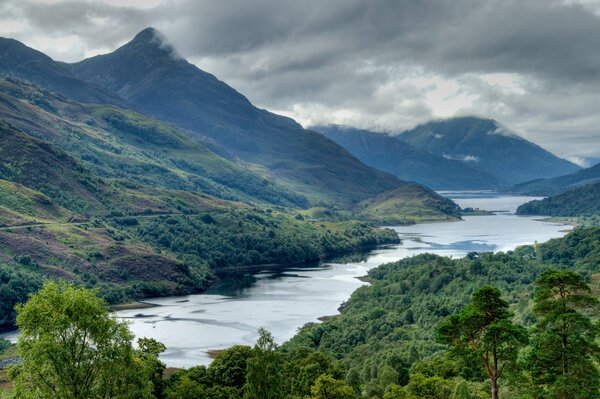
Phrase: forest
(521, 324)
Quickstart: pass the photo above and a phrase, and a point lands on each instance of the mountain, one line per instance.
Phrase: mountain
(557, 185)
(121, 144)
(395, 156)
(488, 147)
(24, 63)
(156, 81)
(580, 201)
(115, 200)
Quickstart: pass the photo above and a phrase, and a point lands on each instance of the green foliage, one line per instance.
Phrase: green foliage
(580, 201)
(327, 387)
(263, 378)
(254, 237)
(391, 323)
(72, 348)
(4, 344)
(484, 330)
(15, 285)
(229, 367)
(564, 353)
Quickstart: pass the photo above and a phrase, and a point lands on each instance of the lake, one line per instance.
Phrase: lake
(283, 299)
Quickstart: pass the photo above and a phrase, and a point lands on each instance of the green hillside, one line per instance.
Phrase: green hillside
(117, 201)
(409, 204)
(580, 201)
(121, 144)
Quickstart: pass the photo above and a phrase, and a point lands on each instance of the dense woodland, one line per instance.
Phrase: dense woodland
(179, 254)
(426, 327)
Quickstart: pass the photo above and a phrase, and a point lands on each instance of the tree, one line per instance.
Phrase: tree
(263, 375)
(149, 350)
(563, 349)
(327, 387)
(229, 367)
(485, 328)
(71, 348)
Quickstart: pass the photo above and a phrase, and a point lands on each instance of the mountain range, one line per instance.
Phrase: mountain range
(458, 153)
(146, 76)
(560, 184)
(391, 154)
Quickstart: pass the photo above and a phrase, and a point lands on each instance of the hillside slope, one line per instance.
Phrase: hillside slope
(557, 185)
(392, 155)
(150, 76)
(488, 147)
(580, 201)
(121, 144)
(24, 63)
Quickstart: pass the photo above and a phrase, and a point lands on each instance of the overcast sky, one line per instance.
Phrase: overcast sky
(382, 64)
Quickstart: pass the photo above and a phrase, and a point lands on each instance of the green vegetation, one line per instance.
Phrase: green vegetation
(388, 328)
(427, 327)
(71, 348)
(136, 256)
(483, 332)
(564, 352)
(583, 201)
(407, 205)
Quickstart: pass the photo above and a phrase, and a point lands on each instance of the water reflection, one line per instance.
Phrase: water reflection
(283, 299)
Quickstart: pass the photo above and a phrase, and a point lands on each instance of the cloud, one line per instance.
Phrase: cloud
(385, 64)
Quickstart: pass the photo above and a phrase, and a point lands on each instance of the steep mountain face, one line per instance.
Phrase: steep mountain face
(557, 185)
(393, 155)
(151, 77)
(488, 147)
(24, 63)
(580, 201)
(122, 144)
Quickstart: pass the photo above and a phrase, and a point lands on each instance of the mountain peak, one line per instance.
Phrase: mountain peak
(152, 42)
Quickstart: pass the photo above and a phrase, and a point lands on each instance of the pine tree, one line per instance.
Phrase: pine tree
(484, 328)
(563, 348)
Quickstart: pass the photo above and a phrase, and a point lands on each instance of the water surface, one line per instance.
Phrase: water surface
(284, 299)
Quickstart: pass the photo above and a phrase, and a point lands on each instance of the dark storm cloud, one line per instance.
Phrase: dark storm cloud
(385, 63)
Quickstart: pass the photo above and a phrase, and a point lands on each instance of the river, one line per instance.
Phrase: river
(283, 299)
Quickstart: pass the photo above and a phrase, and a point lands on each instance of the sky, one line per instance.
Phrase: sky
(384, 65)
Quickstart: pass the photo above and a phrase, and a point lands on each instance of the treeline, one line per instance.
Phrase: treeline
(181, 254)
(254, 237)
(520, 324)
(580, 201)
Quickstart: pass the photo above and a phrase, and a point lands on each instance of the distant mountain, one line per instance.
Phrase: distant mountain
(488, 147)
(580, 201)
(393, 155)
(24, 63)
(557, 185)
(153, 78)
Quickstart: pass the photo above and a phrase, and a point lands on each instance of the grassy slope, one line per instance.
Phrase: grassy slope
(121, 144)
(409, 204)
(581, 201)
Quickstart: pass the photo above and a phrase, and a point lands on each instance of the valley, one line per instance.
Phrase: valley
(164, 236)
